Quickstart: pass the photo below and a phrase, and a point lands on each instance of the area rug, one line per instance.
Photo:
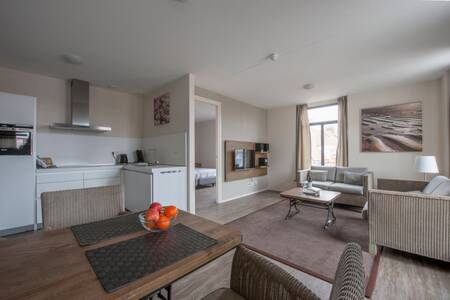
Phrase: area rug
(301, 240)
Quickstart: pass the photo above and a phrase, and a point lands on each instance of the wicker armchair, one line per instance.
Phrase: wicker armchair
(63, 209)
(409, 221)
(255, 278)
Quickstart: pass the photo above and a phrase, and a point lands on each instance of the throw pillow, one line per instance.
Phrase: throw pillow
(318, 175)
(443, 189)
(433, 184)
(353, 178)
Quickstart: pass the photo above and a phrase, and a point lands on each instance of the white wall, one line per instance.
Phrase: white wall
(401, 164)
(205, 143)
(281, 129)
(121, 111)
(241, 122)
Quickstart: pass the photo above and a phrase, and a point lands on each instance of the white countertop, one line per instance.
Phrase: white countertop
(81, 168)
(148, 169)
(75, 168)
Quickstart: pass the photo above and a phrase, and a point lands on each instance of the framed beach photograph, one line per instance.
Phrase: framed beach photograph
(393, 128)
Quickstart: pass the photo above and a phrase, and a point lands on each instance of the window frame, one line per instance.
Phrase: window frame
(322, 132)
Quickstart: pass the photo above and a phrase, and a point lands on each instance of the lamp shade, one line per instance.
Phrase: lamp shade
(426, 164)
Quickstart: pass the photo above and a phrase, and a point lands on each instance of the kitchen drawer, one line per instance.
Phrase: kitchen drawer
(101, 182)
(52, 187)
(99, 174)
(59, 177)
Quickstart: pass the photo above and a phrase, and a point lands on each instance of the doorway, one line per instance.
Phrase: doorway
(208, 153)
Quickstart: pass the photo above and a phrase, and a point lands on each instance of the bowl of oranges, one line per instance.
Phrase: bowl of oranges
(158, 218)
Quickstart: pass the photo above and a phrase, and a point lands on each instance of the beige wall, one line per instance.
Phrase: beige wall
(281, 129)
(179, 108)
(242, 122)
(121, 111)
(445, 94)
(401, 164)
(205, 143)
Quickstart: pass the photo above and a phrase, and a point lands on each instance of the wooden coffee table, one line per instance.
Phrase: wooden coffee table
(325, 200)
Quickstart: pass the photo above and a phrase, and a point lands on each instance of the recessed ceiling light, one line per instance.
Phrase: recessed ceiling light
(273, 56)
(72, 59)
(308, 86)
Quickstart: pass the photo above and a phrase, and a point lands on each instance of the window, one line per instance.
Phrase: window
(324, 134)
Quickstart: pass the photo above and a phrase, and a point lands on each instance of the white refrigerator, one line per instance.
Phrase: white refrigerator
(17, 163)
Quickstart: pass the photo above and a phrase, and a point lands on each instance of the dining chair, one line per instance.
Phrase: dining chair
(63, 209)
(253, 277)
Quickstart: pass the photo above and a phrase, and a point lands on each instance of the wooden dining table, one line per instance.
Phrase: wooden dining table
(51, 264)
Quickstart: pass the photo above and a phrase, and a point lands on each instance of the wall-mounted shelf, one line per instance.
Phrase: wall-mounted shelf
(230, 173)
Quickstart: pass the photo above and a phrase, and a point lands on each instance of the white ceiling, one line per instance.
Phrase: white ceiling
(204, 111)
(341, 46)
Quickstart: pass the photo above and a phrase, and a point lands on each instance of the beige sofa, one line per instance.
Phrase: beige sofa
(352, 194)
(411, 216)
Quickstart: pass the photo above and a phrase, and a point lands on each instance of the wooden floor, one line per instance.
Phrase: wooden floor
(206, 206)
(400, 275)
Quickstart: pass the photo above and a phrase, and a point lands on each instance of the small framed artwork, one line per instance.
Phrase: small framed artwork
(393, 128)
(161, 109)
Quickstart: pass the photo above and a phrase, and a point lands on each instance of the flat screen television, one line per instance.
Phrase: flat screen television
(244, 159)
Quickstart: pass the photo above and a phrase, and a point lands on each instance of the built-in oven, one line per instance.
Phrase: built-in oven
(16, 139)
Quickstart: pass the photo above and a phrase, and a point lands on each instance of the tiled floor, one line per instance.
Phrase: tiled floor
(400, 275)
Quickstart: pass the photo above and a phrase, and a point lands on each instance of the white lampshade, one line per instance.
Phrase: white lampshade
(426, 164)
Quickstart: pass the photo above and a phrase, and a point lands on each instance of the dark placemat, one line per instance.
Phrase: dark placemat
(92, 233)
(119, 264)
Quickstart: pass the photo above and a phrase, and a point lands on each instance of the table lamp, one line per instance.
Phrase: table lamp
(426, 164)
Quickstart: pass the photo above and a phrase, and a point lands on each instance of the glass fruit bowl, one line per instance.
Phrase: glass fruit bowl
(151, 225)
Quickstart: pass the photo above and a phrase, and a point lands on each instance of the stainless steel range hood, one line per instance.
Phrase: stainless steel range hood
(79, 109)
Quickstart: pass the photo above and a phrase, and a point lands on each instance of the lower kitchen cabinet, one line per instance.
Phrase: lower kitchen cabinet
(51, 180)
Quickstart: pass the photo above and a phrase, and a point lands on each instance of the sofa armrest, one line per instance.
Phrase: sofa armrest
(367, 183)
(400, 185)
(302, 175)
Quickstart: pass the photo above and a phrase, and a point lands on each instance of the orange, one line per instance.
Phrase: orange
(163, 223)
(171, 211)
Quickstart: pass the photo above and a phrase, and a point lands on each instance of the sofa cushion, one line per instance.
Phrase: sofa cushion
(322, 184)
(443, 189)
(223, 294)
(433, 184)
(340, 172)
(353, 178)
(346, 188)
(331, 171)
(318, 175)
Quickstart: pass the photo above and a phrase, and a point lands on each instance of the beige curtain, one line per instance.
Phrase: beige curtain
(342, 147)
(303, 139)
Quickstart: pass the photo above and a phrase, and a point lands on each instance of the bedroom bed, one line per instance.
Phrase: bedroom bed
(205, 177)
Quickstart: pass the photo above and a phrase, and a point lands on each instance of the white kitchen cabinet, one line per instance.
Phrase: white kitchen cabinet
(62, 179)
(162, 183)
(52, 187)
(101, 182)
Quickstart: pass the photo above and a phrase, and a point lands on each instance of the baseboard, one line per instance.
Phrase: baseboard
(16, 230)
(244, 195)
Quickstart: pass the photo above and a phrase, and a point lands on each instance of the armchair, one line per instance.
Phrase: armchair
(406, 219)
(255, 278)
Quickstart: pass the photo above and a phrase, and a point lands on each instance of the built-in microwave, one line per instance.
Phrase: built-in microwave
(16, 139)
